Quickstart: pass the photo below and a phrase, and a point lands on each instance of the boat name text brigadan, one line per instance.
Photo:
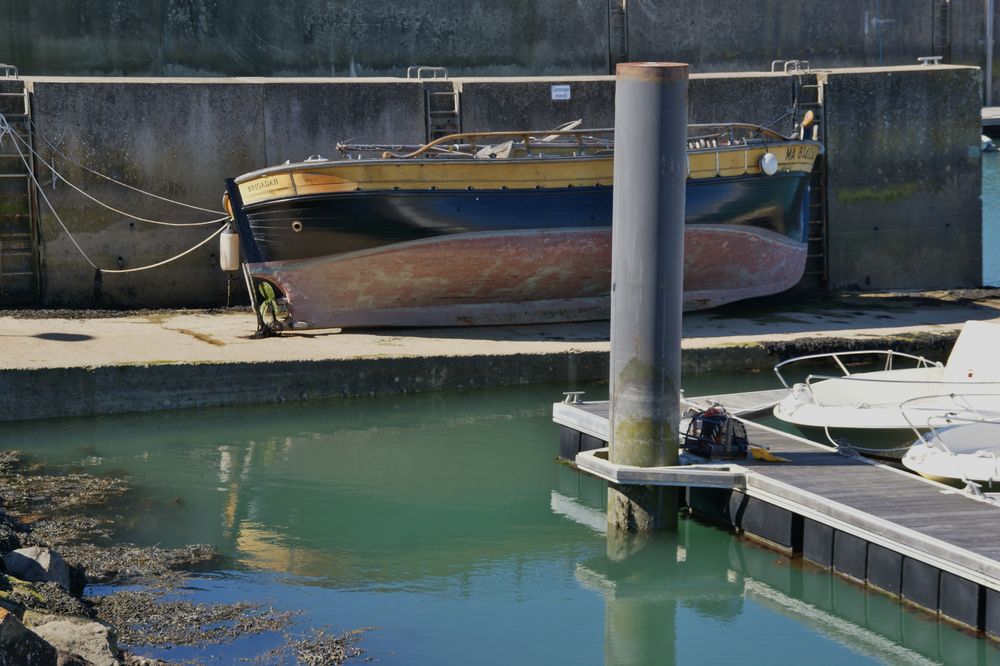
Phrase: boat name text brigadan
(263, 184)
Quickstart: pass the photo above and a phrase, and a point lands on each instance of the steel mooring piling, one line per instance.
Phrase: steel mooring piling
(650, 173)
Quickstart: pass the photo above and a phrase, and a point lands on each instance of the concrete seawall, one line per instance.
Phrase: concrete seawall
(40, 393)
(904, 212)
(903, 167)
(175, 360)
(117, 389)
(515, 38)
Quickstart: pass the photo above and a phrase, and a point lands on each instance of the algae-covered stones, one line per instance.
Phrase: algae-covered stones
(38, 564)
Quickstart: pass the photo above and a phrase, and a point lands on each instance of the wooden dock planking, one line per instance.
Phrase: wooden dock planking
(592, 417)
(746, 404)
(935, 511)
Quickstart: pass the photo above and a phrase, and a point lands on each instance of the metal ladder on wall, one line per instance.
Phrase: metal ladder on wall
(442, 101)
(617, 33)
(444, 115)
(20, 280)
(810, 98)
(941, 32)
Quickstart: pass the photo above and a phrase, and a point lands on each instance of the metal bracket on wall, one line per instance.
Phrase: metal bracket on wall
(426, 72)
(791, 66)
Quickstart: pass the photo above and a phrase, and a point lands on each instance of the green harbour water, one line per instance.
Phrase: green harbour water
(443, 522)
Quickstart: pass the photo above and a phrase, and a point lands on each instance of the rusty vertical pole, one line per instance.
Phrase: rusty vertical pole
(647, 271)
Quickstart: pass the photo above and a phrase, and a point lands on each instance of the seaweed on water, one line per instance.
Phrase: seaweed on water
(318, 648)
(144, 618)
(129, 563)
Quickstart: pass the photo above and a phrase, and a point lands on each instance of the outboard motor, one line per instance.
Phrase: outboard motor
(713, 433)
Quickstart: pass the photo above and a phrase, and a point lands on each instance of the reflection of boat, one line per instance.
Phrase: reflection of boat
(960, 443)
(511, 227)
(863, 407)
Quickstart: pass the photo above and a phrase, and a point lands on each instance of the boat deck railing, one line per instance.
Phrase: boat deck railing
(931, 413)
(839, 357)
(705, 136)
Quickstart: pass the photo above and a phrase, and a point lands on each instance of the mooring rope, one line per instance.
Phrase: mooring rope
(41, 159)
(69, 159)
(5, 130)
(165, 261)
(853, 450)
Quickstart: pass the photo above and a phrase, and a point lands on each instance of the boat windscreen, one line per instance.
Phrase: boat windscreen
(974, 355)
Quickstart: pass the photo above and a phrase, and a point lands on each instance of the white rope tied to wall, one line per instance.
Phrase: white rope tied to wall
(5, 130)
(108, 206)
(165, 261)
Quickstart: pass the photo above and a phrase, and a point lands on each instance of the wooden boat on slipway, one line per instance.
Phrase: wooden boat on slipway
(510, 227)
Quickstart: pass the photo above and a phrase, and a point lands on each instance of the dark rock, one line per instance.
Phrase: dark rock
(38, 564)
(20, 646)
(10, 539)
(77, 580)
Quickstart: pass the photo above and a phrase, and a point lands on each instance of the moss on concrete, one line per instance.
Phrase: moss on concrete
(888, 194)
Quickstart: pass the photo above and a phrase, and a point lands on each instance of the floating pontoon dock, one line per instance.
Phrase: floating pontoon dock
(929, 544)
(991, 116)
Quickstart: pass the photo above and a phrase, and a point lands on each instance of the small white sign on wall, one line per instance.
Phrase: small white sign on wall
(560, 91)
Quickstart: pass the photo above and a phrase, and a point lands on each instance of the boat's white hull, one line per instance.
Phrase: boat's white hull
(958, 453)
(882, 443)
(880, 413)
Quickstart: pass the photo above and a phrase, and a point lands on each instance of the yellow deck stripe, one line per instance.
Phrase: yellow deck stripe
(516, 174)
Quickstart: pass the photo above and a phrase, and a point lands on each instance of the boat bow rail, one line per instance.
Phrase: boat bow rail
(838, 359)
(971, 368)
(859, 390)
(930, 413)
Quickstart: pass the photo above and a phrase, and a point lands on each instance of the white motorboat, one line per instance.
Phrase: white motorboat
(958, 446)
(859, 406)
(987, 143)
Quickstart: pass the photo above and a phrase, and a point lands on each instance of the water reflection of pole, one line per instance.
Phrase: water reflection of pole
(638, 627)
(646, 578)
(650, 175)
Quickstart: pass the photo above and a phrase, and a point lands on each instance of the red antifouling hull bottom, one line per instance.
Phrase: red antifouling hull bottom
(521, 277)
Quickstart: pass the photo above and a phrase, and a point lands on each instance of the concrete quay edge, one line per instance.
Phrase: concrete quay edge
(348, 365)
